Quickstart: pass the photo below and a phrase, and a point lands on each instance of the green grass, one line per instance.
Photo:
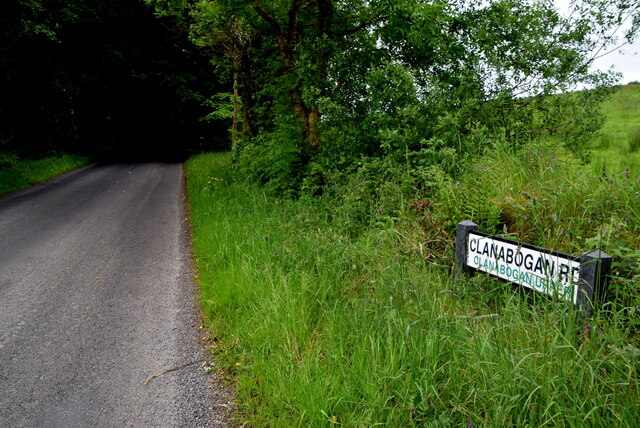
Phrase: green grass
(320, 326)
(17, 174)
(618, 142)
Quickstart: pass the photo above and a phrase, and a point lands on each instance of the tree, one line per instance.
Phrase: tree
(99, 77)
(372, 78)
(303, 36)
(224, 32)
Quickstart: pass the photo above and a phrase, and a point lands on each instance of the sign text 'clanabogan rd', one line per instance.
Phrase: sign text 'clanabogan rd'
(571, 278)
(544, 272)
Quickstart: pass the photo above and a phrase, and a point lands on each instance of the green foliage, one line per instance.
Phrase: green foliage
(221, 107)
(17, 174)
(374, 78)
(274, 160)
(318, 325)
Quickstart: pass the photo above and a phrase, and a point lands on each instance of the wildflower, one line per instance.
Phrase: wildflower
(587, 329)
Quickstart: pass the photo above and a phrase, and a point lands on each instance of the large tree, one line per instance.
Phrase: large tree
(370, 78)
(298, 39)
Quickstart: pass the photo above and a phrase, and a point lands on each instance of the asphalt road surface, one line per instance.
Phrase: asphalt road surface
(95, 297)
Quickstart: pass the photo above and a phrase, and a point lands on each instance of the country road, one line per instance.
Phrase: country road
(96, 296)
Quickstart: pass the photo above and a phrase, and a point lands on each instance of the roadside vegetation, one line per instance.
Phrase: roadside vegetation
(361, 133)
(17, 173)
(341, 309)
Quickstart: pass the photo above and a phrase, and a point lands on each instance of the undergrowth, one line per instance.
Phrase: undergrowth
(339, 309)
(17, 173)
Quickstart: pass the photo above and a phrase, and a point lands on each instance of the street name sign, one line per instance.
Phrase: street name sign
(572, 278)
(544, 271)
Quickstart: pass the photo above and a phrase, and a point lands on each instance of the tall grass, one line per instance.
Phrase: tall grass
(544, 196)
(321, 327)
(16, 173)
(634, 140)
(617, 143)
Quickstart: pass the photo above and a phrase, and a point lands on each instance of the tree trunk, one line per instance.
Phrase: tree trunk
(313, 135)
(234, 123)
(247, 93)
(288, 38)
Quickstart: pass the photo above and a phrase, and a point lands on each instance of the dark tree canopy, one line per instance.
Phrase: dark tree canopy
(104, 78)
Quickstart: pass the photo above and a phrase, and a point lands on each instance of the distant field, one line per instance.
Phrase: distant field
(17, 174)
(617, 144)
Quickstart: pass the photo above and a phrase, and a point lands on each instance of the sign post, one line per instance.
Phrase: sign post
(572, 278)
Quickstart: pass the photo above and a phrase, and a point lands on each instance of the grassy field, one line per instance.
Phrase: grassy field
(321, 326)
(618, 142)
(17, 174)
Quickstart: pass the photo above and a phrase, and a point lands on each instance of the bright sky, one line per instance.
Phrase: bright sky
(625, 60)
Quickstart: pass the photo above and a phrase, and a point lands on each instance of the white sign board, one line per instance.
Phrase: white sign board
(545, 272)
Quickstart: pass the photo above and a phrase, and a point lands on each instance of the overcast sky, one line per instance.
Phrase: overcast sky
(625, 60)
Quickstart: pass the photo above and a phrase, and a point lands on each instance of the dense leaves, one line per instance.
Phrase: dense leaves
(323, 83)
(100, 77)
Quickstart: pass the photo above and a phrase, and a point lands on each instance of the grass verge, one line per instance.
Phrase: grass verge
(319, 326)
(17, 174)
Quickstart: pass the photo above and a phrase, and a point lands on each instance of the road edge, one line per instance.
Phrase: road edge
(219, 391)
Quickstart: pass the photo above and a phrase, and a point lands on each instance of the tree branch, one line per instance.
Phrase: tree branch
(257, 6)
(367, 23)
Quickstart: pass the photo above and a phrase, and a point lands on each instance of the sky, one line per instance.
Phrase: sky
(625, 60)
